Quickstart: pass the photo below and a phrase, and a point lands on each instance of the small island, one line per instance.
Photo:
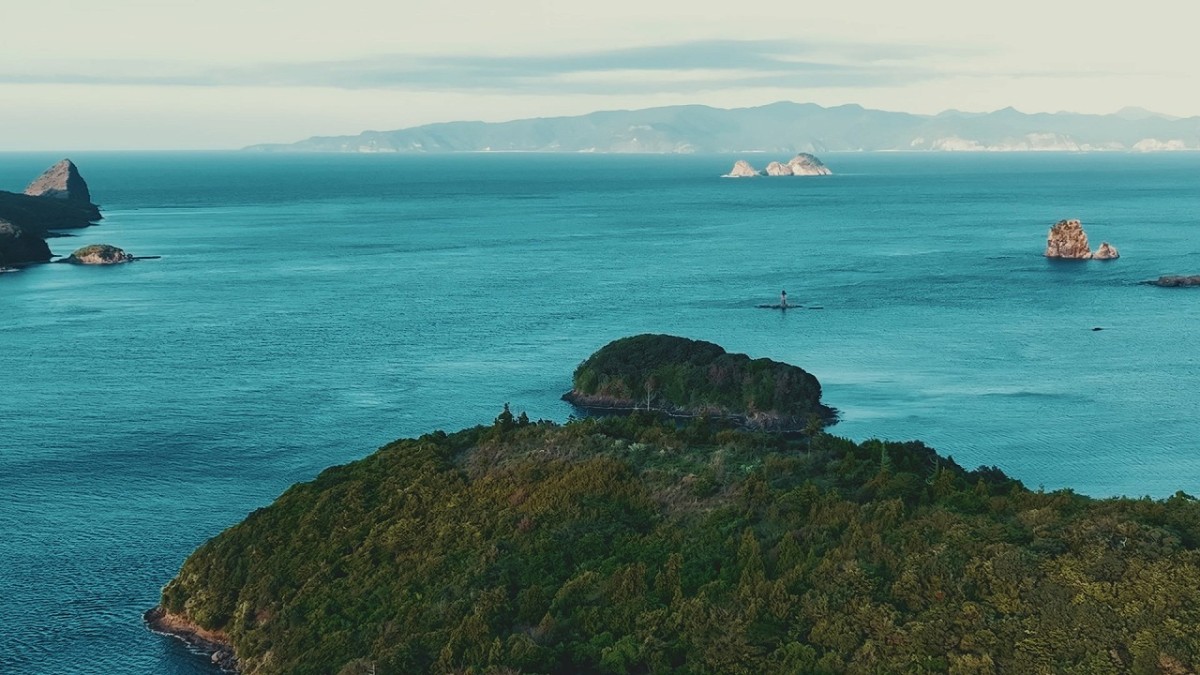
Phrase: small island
(1067, 240)
(98, 254)
(636, 544)
(802, 164)
(686, 378)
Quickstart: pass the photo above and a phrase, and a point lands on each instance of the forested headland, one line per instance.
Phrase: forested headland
(639, 545)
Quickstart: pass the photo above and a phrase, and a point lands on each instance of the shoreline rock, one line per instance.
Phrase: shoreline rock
(18, 247)
(214, 643)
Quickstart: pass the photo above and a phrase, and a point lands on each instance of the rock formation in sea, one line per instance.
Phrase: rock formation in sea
(778, 169)
(1176, 281)
(58, 200)
(741, 169)
(99, 254)
(805, 164)
(1068, 240)
(61, 181)
(18, 246)
(802, 164)
(1106, 252)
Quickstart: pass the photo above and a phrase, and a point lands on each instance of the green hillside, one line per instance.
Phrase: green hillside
(630, 545)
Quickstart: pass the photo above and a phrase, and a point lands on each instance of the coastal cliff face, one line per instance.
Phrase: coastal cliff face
(17, 247)
(61, 181)
(1068, 240)
(57, 200)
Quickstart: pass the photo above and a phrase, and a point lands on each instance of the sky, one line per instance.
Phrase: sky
(222, 74)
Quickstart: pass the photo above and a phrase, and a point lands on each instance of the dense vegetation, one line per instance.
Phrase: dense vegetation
(631, 545)
(682, 376)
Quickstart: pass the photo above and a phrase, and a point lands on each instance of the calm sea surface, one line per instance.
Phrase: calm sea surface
(308, 309)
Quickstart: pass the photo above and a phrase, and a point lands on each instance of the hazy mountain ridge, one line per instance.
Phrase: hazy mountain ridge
(779, 127)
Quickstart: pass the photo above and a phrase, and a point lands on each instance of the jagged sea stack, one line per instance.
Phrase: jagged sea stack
(16, 246)
(61, 181)
(1068, 240)
(742, 169)
(1106, 252)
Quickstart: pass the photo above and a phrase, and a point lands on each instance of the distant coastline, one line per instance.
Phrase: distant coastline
(783, 128)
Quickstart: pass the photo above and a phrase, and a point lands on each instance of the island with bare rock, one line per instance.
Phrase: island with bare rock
(1067, 240)
(802, 164)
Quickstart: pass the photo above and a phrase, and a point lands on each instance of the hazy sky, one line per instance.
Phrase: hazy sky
(162, 74)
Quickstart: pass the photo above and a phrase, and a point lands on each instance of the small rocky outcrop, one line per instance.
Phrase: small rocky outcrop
(778, 169)
(99, 254)
(1176, 281)
(805, 164)
(17, 246)
(1068, 240)
(61, 181)
(741, 169)
(1106, 252)
(212, 642)
(802, 164)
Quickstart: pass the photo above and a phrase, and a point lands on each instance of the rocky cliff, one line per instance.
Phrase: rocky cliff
(61, 181)
(1068, 240)
(16, 246)
(59, 199)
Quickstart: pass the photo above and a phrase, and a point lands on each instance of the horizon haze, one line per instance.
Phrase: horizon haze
(126, 76)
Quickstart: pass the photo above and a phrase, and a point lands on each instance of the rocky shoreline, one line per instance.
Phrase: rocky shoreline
(606, 405)
(214, 643)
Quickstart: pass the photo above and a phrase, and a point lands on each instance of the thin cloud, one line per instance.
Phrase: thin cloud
(675, 68)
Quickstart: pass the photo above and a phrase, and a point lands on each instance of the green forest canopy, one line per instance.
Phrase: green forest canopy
(630, 545)
(678, 374)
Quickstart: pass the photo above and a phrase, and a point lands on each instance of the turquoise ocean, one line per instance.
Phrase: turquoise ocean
(309, 308)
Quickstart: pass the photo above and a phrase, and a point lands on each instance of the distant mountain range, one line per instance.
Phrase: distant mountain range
(779, 128)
